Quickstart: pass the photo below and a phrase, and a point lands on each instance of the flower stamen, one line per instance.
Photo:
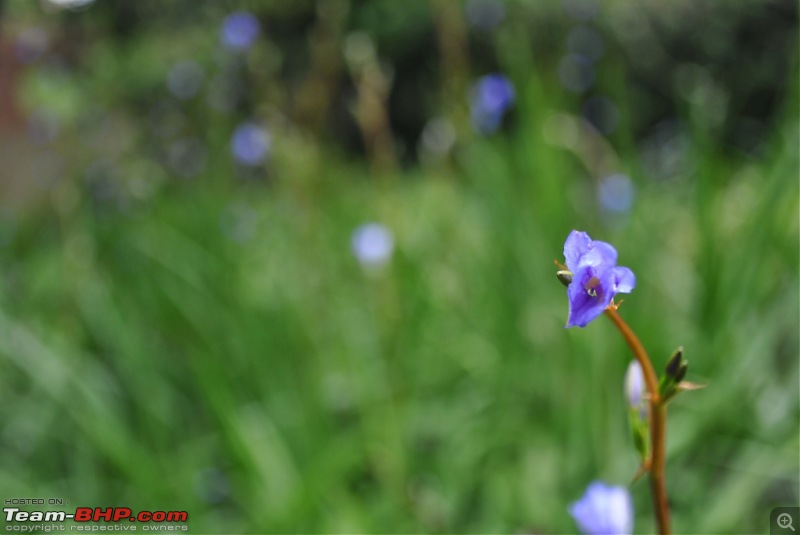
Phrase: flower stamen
(591, 286)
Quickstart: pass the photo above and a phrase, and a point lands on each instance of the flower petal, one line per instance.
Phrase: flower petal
(583, 306)
(624, 280)
(600, 254)
(575, 247)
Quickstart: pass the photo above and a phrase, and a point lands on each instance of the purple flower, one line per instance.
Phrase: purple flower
(604, 510)
(596, 279)
(240, 30)
(491, 97)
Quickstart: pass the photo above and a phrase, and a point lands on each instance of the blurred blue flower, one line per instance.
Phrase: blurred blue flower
(604, 510)
(615, 193)
(491, 97)
(372, 245)
(596, 278)
(240, 30)
(250, 143)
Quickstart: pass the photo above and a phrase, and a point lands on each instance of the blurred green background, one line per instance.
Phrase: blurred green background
(191, 319)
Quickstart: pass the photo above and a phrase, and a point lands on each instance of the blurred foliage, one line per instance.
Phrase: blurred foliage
(182, 329)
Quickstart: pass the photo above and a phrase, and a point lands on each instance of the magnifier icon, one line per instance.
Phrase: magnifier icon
(785, 521)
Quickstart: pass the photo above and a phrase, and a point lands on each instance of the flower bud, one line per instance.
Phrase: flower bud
(672, 381)
(634, 384)
(637, 411)
(677, 366)
(682, 372)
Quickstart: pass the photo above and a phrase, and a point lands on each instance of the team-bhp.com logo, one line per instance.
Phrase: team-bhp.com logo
(29, 521)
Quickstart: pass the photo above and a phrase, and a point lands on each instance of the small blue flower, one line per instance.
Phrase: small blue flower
(491, 97)
(604, 510)
(250, 144)
(596, 279)
(240, 30)
(615, 193)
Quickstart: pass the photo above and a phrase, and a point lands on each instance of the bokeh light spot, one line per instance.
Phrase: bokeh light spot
(185, 78)
(585, 41)
(438, 137)
(31, 44)
(485, 14)
(582, 10)
(602, 113)
(187, 157)
(75, 5)
(575, 72)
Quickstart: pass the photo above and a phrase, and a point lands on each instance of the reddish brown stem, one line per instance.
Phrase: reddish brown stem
(658, 421)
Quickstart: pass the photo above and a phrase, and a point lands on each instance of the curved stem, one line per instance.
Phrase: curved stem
(658, 421)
